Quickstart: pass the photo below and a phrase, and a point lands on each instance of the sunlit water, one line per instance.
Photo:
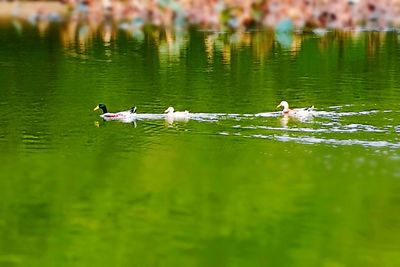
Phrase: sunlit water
(235, 184)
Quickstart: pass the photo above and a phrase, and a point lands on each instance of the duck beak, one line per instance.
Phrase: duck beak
(96, 108)
(278, 106)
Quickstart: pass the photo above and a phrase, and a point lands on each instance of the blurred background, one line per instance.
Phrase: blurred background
(213, 14)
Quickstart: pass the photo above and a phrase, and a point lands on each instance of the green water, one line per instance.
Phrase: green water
(245, 188)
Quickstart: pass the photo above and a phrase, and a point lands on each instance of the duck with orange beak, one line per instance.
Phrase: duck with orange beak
(294, 112)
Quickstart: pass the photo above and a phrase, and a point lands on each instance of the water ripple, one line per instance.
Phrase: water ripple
(350, 128)
(323, 127)
(38, 140)
(330, 141)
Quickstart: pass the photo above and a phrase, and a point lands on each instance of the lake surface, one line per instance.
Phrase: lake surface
(236, 185)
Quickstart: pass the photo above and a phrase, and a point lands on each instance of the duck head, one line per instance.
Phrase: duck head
(169, 110)
(102, 107)
(283, 104)
(133, 110)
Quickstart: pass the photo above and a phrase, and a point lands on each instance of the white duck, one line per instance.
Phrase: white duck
(295, 112)
(176, 115)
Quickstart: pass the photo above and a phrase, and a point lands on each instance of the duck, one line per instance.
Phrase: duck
(294, 112)
(115, 116)
(170, 111)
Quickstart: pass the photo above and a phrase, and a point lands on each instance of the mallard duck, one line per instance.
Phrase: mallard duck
(294, 112)
(115, 116)
(176, 114)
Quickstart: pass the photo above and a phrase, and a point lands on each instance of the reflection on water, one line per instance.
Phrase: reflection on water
(171, 44)
(171, 120)
(79, 36)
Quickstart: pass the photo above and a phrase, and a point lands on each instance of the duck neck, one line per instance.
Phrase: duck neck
(104, 109)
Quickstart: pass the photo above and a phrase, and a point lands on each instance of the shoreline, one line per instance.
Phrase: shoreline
(26, 9)
(236, 17)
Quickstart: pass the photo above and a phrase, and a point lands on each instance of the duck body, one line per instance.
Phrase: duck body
(300, 112)
(180, 116)
(122, 115)
(170, 112)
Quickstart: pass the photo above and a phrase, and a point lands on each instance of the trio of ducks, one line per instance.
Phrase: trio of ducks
(170, 113)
